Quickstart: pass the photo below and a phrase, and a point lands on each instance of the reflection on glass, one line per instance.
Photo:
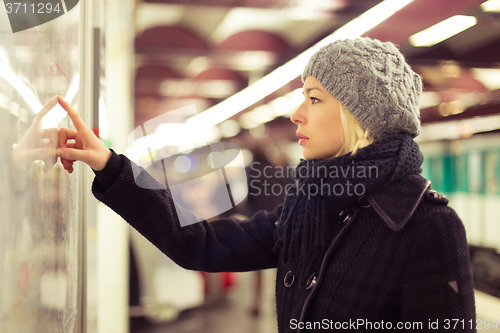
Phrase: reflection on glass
(37, 143)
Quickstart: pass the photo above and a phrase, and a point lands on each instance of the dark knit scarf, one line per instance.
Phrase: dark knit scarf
(326, 186)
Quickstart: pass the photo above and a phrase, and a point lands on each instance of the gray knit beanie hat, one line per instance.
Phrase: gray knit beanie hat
(373, 81)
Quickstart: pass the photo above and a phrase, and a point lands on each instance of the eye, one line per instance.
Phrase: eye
(314, 100)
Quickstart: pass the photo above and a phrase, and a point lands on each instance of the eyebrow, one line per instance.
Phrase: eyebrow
(309, 89)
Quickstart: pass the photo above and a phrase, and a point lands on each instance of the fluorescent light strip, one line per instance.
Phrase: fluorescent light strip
(21, 88)
(292, 69)
(491, 6)
(443, 30)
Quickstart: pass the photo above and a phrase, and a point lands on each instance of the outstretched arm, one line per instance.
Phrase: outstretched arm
(222, 245)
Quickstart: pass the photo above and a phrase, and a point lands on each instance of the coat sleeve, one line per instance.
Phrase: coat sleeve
(225, 245)
(438, 286)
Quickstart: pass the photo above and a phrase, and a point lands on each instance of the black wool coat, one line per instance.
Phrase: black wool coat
(398, 261)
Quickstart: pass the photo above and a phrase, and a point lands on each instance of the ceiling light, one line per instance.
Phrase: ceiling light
(150, 15)
(197, 65)
(292, 69)
(264, 113)
(212, 134)
(247, 156)
(258, 132)
(325, 5)
(229, 128)
(491, 6)
(166, 134)
(490, 77)
(252, 60)
(133, 153)
(301, 14)
(449, 108)
(443, 30)
(282, 105)
(451, 69)
(4, 101)
(429, 98)
(247, 120)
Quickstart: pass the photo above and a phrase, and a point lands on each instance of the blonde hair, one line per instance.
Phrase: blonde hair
(355, 135)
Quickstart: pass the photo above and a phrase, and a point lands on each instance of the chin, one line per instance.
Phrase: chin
(310, 156)
(313, 156)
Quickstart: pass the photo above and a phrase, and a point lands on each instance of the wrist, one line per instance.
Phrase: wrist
(102, 164)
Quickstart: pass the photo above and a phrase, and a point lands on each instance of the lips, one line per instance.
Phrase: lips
(302, 138)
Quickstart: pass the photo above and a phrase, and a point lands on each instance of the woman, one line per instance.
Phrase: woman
(361, 242)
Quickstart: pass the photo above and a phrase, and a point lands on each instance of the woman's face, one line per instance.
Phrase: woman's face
(318, 122)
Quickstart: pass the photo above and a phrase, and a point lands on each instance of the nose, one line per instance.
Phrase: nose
(298, 116)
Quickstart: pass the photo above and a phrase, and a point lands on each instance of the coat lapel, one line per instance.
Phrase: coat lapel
(398, 202)
(395, 205)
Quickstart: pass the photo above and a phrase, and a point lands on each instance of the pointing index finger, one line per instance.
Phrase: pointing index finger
(74, 116)
(49, 105)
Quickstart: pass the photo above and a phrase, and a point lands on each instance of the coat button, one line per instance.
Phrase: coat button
(343, 216)
(311, 282)
(434, 194)
(363, 202)
(289, 278)
(436, 197)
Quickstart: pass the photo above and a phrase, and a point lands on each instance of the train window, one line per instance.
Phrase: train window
(491, 171)
(485, 264)
(461, 173)
(474, 166)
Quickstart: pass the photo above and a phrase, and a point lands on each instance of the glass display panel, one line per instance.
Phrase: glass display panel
(40, 241)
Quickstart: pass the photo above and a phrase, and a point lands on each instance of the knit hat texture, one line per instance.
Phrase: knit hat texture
(373, 81)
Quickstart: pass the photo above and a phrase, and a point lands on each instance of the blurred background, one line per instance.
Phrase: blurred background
(133, 69)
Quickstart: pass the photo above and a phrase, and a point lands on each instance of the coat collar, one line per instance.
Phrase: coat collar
(399, 200)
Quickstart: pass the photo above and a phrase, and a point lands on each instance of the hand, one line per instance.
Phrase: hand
(37, 144)
(86, 148)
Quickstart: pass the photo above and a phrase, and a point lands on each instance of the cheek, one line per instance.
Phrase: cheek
(331, 125)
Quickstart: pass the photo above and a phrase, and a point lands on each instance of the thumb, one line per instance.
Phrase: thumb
(71, 154)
